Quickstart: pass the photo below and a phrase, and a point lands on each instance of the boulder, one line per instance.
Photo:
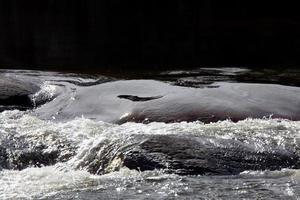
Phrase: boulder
(16, 93)
(193, 155)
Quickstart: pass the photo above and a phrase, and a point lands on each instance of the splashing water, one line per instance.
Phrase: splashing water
(66, 180)
(51, 157)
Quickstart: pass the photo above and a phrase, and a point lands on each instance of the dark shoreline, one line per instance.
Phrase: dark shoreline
(105, 34)
(140, 69)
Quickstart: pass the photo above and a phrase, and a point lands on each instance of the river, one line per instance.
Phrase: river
(67, 145)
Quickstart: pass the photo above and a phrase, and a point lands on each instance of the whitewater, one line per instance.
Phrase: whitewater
(54, 151)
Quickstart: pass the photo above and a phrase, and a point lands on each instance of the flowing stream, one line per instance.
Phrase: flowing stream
(67, 145)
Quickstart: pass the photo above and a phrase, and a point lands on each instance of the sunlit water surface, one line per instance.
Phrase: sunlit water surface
(79, 136)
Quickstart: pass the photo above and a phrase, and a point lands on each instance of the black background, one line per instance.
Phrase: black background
(98, 34)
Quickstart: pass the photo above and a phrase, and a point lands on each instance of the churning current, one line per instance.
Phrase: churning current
(201, 134)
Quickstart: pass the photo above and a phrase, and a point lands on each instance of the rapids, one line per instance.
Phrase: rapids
(77, 141)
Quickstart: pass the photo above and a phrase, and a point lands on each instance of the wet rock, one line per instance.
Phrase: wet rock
(16, 94)
(20, 152)
(194, 155)
(102, 158)
(220, 101)
(33, 158)
(154, 101)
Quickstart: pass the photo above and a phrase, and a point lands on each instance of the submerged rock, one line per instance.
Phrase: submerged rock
(188, 155)
(19, 152)
(194, 155)
(154, 101)
(179, 154)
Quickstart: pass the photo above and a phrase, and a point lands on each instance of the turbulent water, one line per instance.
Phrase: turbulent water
(77, 135)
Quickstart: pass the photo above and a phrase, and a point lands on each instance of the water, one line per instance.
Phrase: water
(51, 149)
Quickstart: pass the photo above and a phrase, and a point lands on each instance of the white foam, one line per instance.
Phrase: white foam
(86, 134)
(33, 182)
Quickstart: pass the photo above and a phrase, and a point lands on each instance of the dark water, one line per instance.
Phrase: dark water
(82, 119)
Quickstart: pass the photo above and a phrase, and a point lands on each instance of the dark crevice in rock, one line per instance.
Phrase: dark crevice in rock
(137, 98)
